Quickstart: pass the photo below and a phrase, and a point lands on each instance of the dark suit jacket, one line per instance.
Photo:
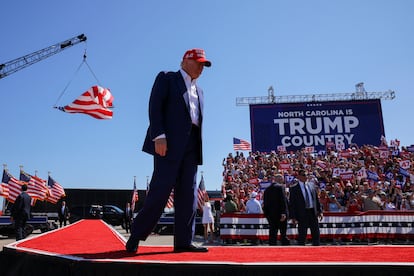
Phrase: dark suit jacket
(297, 202)
(128, 214)
(21, 207)
(275, 202)
(65, 213)
(169, 114)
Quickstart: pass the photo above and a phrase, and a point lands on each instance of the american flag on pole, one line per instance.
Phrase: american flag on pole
(56, 191)
(4, 188)
(41, 185)
(36, 187)
(14, 186)
(96, 102)
(134, 196)
(240, 144)
(200, 194)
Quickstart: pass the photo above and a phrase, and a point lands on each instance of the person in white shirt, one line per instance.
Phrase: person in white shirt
(208, 219)
(253, 206)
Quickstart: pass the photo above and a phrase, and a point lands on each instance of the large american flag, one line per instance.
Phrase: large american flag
(56, 191)
(36, 187)
(96, 102)
(240, 144)
(200, 194)
(14, 186)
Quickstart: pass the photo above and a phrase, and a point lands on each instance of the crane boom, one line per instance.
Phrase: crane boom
(17, 64)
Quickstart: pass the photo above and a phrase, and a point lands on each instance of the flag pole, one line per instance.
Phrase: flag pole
(3, 207)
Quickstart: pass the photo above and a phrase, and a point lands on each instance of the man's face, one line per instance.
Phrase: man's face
(192, 68)
(303, 176)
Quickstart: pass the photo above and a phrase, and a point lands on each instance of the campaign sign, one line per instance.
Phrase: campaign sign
(314, 124)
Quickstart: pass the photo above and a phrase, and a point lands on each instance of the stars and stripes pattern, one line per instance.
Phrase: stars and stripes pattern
(56, 191)
(96, 102)
(4, 188)
(14, 186)
(391, 224)
(240, 144)
(36, 187)
(41, 185)
(200, 194)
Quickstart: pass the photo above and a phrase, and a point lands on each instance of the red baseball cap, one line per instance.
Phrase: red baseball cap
(197, 55)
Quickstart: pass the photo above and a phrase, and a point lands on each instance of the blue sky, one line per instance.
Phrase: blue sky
(298, 47)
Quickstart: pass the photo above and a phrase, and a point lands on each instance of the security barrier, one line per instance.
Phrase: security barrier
(351, 226)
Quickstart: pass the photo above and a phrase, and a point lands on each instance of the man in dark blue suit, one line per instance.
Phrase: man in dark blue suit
(305, 208)
(20, 212)
(174, 139)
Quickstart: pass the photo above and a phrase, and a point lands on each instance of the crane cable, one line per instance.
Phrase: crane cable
(74, 75)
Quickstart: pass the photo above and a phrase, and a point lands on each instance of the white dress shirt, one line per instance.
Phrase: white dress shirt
(308, 191)
(193, 101)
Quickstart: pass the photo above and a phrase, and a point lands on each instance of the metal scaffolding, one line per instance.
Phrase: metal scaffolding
(359, 94)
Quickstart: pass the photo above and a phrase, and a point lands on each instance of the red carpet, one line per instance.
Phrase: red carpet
(93, 239)
(91, 247)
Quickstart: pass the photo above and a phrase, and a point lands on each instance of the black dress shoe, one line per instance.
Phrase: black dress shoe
(285, 241)
(190, 248)
(132, 245)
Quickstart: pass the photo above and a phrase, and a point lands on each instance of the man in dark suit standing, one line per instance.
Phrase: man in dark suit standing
(174, 140)
(275, 208)
(305, 208)
(63, 214)
(20, 213)
(128, 216)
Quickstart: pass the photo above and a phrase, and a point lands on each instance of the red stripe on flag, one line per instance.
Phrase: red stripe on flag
(200, 194)
(4, 190)
(95, 102)
(56, 191)
(15, 188)
(240, 144)
(170, 201)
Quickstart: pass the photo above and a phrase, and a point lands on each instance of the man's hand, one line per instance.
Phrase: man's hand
(320, 216)
(282, 217)
(161, 146)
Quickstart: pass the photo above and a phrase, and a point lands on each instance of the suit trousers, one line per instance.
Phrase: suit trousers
(168, 174)
(310, 220)
(62, 221)
(20, 225)
(274, 226)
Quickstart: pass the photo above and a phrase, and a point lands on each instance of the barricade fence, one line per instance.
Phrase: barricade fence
(384, 225)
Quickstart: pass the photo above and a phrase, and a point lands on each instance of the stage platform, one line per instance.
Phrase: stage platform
(91, 247)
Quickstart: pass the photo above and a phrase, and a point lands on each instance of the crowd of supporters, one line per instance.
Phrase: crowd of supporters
(354, 179)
